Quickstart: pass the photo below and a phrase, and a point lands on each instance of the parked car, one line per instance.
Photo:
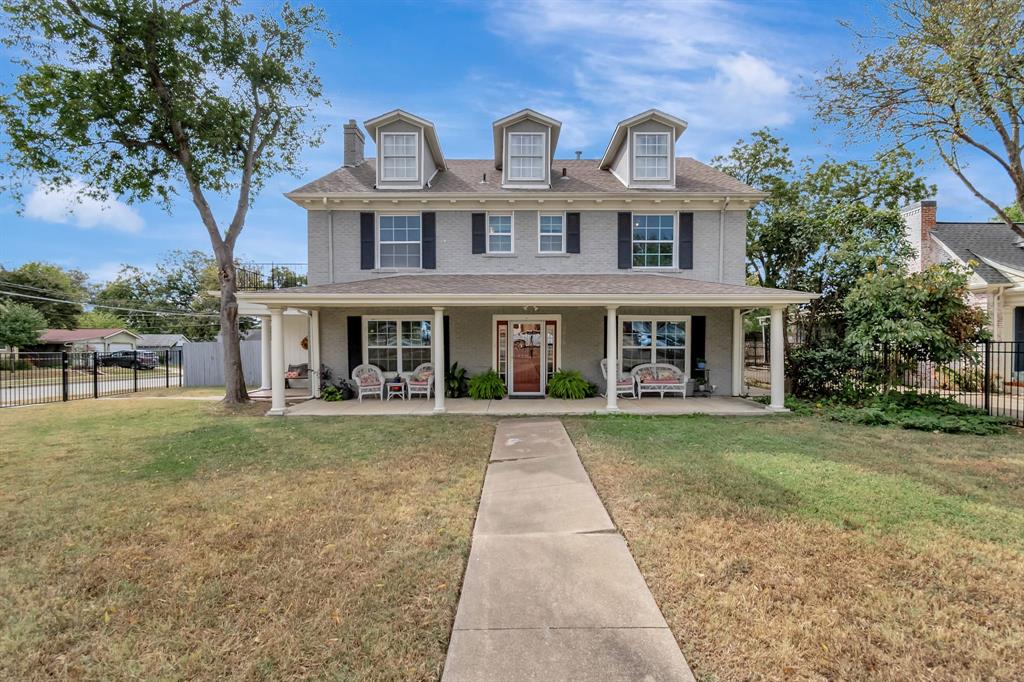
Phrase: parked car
(132, 359)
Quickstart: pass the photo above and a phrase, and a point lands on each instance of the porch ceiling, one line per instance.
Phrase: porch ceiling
(634, 289)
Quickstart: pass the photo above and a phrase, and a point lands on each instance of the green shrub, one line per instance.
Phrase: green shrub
(456, 382)
(921, 412)
(331, 394)
(12, 365)
(568, 385)
(487, 386)
(819, 372)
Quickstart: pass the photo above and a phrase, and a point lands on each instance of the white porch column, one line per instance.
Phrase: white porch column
(264, 353)
(613, 359)
(737, 351)
(437, 343)
(778, 361)
(276, 361)
(314, 353)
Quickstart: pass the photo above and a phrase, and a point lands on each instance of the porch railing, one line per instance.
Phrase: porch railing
(263, 276)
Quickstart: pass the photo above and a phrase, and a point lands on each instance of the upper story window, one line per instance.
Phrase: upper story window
(400, 241)
(398, 156)
(499, 234)
(653, 241)
(650, 156)
(552, 234)
(526, 156)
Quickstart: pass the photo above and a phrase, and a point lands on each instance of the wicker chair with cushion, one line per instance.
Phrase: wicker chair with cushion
(421, 380)
(297, 376)
(660, 378)
(369, 380)
(625, 385)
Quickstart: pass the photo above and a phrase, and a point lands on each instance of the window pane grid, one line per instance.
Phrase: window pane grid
(398, 151)
(650, 158)
(398, 346)
(499, 234)
(526, 156)
(400, 241)
(653, 241)
(551, 234)
(644, 341)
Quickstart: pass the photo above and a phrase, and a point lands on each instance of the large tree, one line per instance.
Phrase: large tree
(20, 325)
(943, 75)
(824, 223)
(138, 98)
(54, 291)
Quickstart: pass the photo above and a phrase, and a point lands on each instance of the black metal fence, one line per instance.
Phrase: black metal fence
(261, 276)
(34, 378)
(989, 378)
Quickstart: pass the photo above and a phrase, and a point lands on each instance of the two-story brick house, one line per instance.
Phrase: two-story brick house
(524, 263)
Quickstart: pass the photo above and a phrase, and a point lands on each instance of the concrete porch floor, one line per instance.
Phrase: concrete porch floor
(714, 405)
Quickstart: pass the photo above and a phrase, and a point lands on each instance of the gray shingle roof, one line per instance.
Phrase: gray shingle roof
(974, 241)
(582, 176)
(633, 283)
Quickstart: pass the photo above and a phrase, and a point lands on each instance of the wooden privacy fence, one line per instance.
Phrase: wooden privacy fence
(204, 363)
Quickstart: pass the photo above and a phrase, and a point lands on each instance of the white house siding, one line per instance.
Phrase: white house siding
(582, 335)
(598, 247)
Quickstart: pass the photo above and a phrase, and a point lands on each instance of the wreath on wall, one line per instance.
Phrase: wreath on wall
(304, 343)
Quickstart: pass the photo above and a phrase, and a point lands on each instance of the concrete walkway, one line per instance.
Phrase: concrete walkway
(551, 591)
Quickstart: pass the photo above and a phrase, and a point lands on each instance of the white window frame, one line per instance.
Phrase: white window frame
(537, 317)
(540, 216)
(636, 154)
(416, 157)
(672, 241)
(380, 265)
(512, 234)
(541, 156)
(654, 320)
(398, 320)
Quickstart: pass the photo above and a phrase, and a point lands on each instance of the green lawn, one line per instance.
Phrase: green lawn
(798, 548)
(160, 539)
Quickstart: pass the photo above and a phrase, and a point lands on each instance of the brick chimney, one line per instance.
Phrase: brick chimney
(354, 143)
(919, 219)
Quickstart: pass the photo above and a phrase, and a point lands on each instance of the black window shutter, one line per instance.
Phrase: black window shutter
(355, 343)
(698, 329)
(572, 232)
(686, 241)
(429, 224)
(1018, 335)
(367, 245)
(479, 233)
(604, 335)
(447, 345)
(625, 241)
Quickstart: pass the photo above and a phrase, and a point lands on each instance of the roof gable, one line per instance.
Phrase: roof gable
(429, 132)
(498, 128)
(983, 245)
(619, 136)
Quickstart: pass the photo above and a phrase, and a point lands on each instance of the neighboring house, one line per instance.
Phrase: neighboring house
(159, 343)
(100, 340)
(522, 263)
(993, 252)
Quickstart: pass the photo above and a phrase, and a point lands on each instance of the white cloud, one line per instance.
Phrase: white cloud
(70, 204)
(710, 62)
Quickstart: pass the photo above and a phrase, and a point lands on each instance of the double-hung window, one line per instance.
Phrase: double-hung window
(526, 156)
(653, 241)
(400, 241)
(654, 340)
(398, 345)
(650, 156)
(398, 153)
(552, 234)
(499, 234)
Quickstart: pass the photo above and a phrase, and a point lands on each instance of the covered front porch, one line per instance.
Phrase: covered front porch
(527, 328)
(723, 406)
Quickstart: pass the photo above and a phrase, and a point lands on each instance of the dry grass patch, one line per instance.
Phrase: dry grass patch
(173, 539)
(795, 548)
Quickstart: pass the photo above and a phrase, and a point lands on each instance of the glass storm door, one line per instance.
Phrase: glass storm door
(527, 358)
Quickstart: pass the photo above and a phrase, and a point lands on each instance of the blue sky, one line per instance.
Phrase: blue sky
(726, 67)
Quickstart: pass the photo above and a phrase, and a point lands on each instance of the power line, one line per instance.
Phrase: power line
(111, 307)
(155, 311)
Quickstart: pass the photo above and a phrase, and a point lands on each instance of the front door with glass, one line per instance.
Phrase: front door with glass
(527, 355)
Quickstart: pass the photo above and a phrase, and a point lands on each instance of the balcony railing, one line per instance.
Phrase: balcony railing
(262, 276)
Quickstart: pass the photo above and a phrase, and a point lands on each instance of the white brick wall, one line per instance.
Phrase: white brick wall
(598, 247)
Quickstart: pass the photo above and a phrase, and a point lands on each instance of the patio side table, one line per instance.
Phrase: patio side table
(395, 388)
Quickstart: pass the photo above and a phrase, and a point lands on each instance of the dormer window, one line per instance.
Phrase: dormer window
(526, 156)
(650, 156)
(398, 154)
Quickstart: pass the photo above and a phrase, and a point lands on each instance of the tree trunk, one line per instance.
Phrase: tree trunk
(234, 379)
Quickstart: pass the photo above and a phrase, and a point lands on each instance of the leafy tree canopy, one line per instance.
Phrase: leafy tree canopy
(20, 324)
(925, 314)
(824, 224)
(101, 319)
(46, 280)
(942, 76)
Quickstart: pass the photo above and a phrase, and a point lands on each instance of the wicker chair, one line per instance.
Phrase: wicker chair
(369, 380)
(660, 378)
(418, 383)
(625, 385)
